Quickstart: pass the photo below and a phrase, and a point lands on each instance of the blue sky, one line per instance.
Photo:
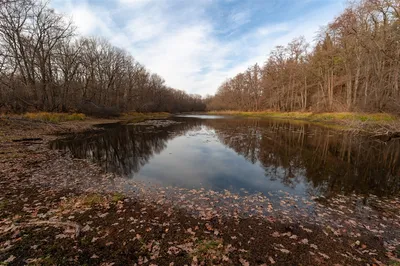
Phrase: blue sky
(196, 44)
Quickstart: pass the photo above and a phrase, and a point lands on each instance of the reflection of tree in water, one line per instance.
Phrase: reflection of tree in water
(330, 161)
(125, 149)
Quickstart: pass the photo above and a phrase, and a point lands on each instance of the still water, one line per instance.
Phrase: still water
(244, 156)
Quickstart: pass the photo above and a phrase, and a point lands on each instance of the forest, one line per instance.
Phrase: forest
(46, 66)
(353, 66)
(103, 163)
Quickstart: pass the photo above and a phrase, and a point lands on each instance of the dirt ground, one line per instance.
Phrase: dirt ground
(58, 210)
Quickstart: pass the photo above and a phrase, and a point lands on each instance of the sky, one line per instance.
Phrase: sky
(196, 44)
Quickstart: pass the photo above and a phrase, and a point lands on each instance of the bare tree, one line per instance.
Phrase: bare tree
(43, 66)
(355, 65)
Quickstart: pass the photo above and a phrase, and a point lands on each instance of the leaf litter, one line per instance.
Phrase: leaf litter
(61, 210)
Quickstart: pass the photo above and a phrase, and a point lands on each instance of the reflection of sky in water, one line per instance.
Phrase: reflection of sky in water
(198, 159)
(203, 116)
(258, 155)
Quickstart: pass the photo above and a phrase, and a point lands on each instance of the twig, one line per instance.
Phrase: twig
(41, 223)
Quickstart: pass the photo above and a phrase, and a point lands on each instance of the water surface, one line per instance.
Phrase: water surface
(244, 156)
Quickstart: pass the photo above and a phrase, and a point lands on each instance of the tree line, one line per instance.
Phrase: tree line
(45, 65)
(354, 66)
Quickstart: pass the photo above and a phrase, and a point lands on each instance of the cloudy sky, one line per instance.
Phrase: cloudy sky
(196, 44)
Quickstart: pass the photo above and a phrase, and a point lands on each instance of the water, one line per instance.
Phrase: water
(244, 156)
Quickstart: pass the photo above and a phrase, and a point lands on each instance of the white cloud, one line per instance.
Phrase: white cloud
(145, 28)
(84, 20)
(180, 41)
(136, 3)
(240, 17)
(266, 30)
(89, 20)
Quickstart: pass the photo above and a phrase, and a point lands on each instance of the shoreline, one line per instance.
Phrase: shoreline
(382, 125)
(62, 210)
(333, 117)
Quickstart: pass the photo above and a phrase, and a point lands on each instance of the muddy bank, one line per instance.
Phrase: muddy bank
(59, 210)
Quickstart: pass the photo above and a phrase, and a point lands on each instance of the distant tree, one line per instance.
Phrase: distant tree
(355, 65)
(45, 66)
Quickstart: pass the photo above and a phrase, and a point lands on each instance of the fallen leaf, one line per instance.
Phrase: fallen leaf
(276, 234)
(285, 251)
(271, 260)
(304, 241)
(324, 255)
(244, 262)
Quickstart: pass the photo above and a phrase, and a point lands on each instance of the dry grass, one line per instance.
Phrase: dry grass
(84, 202)
(54, 117)
(318, 117)
(63, 117)
(117, 196)
(371, 123)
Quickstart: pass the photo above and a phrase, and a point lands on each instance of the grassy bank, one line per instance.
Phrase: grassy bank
(54, 117)
(316, 117)
(46, 117)
(378, 124)
(65, 117)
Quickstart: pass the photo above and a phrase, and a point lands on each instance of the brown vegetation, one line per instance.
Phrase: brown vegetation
(44, 66)
(354, 67)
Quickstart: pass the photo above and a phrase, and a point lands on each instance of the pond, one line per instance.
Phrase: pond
(243, 156)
